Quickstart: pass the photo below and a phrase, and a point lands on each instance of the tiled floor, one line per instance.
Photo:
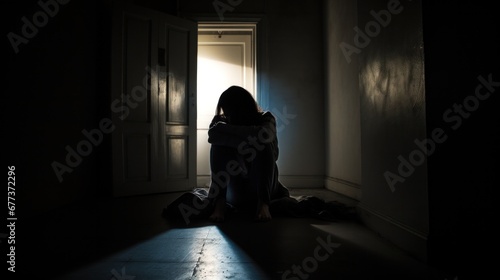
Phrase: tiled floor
(127, 238)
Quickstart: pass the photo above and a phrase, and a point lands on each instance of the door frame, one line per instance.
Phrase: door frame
(205, 28)
(262, 62)
(231, 34)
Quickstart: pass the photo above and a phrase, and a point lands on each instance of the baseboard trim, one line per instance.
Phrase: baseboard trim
(403, 236)
(344, 187)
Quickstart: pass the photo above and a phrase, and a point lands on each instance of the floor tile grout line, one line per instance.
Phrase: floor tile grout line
(199, 258)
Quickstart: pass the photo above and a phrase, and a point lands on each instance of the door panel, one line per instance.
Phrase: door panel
(177, 156)
(152, 78)
(178, 96)
(134, 141)
(137, 51)
(178, 42)
(137, 157)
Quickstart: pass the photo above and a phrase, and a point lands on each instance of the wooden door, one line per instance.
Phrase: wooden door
(153, 102)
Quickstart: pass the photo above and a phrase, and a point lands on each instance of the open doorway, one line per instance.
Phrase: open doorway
(227, 56)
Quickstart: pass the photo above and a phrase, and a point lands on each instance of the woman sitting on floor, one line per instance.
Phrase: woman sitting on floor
(243, 155)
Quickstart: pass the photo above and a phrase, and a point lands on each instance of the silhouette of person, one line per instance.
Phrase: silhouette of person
(243, 155)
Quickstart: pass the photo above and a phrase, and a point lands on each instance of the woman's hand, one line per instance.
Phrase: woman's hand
(263, 214)
(218, 119)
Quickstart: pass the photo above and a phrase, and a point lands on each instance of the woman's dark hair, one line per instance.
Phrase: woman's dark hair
(238, 105)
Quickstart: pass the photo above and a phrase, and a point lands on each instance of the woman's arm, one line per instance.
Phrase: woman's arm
(232, 135)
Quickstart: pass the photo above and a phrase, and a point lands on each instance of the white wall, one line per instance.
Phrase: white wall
(392, 95)
(343, 132)
(296, 87)
(376, 111)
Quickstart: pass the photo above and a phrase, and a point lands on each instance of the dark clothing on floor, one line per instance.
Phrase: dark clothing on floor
(244, 171)
(196, 205)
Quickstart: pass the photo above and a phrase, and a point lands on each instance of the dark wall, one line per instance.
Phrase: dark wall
(462, 42)
(224, 8)
(57, 85)
(392, 107)
(57, 72)
(342, 104)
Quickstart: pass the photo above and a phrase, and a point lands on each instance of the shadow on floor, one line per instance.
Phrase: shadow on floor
(127, 238)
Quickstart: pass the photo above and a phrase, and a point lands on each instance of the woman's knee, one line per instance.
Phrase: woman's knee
(266, 153)
(221, 150)
(220, 156)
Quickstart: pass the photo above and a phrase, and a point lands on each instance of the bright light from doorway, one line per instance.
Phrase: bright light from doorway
(226, 57)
